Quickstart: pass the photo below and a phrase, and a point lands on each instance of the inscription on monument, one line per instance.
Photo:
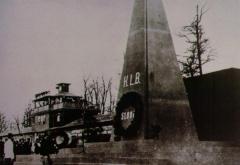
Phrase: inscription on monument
(131, 79)
(127, 116)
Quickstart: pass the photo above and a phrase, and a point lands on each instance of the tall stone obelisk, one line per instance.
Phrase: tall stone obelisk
(152, 101)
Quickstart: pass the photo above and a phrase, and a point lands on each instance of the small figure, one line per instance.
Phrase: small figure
(9, 150)
(37, 146)
(48, 147)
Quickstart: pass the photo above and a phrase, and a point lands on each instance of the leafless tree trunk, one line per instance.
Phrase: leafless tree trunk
(96, 91)
(105, 93)
(88, 90)
(199, 51)
(3, 122)
(27, 116)
(17, 124)
(85, 87)
(111, 100)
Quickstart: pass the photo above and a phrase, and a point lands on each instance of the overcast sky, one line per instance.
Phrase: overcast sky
(44, 42)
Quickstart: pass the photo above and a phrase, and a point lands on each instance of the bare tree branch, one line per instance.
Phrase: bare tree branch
(99, 92)
(199, 50)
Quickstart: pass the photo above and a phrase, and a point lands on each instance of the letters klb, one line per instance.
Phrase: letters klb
(132, 79)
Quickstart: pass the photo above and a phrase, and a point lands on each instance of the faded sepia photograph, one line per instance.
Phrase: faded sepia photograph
(119, 82)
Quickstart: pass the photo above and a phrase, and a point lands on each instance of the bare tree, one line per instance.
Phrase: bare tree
(17, 123)
(96, 88)
(199, 51)
(27, 116)
(112, 101)
(105, 94)
(3, 122)
(98, 91)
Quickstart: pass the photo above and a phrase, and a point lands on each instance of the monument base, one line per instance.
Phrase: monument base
(145, 152)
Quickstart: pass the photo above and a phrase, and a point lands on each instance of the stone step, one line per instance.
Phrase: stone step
(65, 151)
(27, 163)
(102, 154)
(110, 160)
(151, 147)
(39, 163)
(91, 164)
(28, 158)
(97, 159)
